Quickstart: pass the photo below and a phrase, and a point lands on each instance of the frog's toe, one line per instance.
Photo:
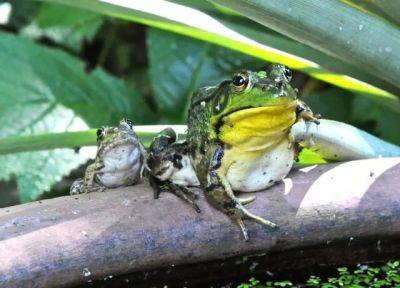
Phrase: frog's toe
(243, 213)
(246, 200)
(258, 219)
(243, 228)
(76, 187)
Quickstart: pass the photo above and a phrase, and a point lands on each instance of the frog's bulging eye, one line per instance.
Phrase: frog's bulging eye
(240, 81)
(288, 73)
(129, 122)
(100, 133)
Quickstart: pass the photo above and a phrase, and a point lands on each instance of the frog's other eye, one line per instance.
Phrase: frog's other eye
(240, 81)
(288, 73)
(129, 122)
(101, 132)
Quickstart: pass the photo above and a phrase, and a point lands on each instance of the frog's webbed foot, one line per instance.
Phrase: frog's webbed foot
(96, 188)
(80, 187)
(223, 197)
(76, 187)
(220, 194)
(243, 213)
(255, 218)
(180, 191)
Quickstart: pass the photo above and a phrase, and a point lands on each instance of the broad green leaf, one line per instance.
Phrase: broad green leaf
(278, 41)
(332, 27)
(33, 73)
(191, 22)
(283, 43)
(64, 25)
(44, 90)
(179, 65)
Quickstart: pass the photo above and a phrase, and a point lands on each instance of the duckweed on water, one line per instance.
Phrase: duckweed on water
(364, 276)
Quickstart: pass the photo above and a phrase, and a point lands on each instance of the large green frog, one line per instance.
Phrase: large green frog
(238, 140)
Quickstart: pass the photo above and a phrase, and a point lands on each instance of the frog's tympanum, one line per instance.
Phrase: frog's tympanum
(238, 140)
(119, 160)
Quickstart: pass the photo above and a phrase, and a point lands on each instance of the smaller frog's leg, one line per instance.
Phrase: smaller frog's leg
(185, 194)
(180, 191)
(89, 183)
(156, 185)
(131, 179)
(304, 112)
(143, 151)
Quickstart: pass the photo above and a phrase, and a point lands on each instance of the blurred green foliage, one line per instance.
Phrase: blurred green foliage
(80, 66)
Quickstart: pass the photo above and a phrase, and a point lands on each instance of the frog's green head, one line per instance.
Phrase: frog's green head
(253, 103)
(249, 89)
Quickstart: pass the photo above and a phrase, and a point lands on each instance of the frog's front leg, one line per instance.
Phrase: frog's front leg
(88, 183)
(304, 112)
(218, 191)
(178, 190)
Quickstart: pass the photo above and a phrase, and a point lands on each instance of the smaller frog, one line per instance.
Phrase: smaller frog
(170, 169)
(119, 160)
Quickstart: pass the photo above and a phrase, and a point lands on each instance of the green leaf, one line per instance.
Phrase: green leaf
(335, 104)
(278, 41)
(333, 28)
(179, 65)
(308, 157)
(43, 91)
(35, 74)
(367, 114)
(191, 22)
(387, 9)
(22, 12)
(64, 25)
(36, 172)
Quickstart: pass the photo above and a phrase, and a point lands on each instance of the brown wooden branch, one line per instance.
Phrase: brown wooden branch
(328, 213)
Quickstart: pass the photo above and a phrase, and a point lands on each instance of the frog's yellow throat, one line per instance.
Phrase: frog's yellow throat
(255, 129)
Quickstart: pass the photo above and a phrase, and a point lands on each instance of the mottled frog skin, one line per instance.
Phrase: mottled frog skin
(119, 160)
(238, 140)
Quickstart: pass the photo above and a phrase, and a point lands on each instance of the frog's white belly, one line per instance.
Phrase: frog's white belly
(184, 176)
(261, 172)
(122, 166)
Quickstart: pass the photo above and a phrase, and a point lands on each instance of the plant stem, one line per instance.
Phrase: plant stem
(47, 141)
